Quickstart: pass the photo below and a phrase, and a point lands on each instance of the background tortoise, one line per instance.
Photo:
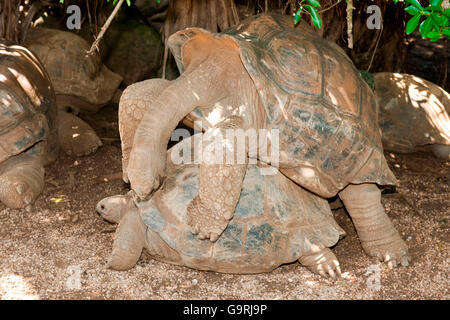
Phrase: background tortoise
(81, 82)
(28, 131)
(260, 74)
(414, 114)
(275, 222)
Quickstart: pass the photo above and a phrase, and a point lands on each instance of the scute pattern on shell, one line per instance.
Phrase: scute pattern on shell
(312, 93)
(413, 111)
(27, 106)
(73, 72)
(273, 218)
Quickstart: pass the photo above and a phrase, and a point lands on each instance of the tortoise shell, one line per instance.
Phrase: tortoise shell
(413, 112)
(27, 106)
(312, 93)
(275, 222)
(72, 71)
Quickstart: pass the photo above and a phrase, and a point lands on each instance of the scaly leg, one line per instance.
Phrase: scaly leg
(129, 240)
(134, 103)
(375, 230)
(220, 183)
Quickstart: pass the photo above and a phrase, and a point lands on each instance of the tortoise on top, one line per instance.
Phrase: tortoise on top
(81, 82)
(28, 125)
(275, 222)
(264, 74)
(414, 114)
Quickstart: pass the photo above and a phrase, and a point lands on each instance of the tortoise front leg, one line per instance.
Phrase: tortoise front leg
(211, 210)
(21, 181)
(135, 101)
(220, 183)
(129, 240)
(323, 262)
(375, 230)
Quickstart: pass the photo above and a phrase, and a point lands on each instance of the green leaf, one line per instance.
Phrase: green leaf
(314, 3)
(440, 21)
(412, 10)
(315, 16)
(434, 35)
(298, 15)
(425, 27)
(446, 13)
(436, 2)
(415, 3)
(434, 8)
(395, 1)
(413, 23)
(446, 32)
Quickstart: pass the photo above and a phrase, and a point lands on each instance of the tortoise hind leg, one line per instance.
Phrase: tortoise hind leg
(376, 232)
(21, 181)
(323, 262)
(129, 241)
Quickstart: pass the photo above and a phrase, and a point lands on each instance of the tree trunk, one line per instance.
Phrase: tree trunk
(214, 16)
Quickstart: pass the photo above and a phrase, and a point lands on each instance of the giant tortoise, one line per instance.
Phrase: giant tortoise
(81, 82)
(275, 222)
(414, 114)
(28, 125)
(266, 74)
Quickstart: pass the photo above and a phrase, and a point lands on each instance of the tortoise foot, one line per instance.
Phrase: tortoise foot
(76, 137)
(21, 181)
(392, 250)
(203, 222)
(324, 263)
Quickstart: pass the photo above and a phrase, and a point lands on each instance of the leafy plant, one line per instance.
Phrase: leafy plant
(436, 22)
(311, 9)
(434, 26)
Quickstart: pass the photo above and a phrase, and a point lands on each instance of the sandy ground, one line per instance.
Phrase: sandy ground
(59, 249)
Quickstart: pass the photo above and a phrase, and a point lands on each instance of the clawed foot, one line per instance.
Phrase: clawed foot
(145, 174)
(323, 263)
(21, 182)
(18, 193)
(204, 222)
(393, 253)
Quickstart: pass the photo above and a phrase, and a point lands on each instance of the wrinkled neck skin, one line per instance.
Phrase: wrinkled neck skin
(231, 92)
(215, 84)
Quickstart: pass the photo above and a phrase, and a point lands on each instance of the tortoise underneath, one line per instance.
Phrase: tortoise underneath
(275, 222)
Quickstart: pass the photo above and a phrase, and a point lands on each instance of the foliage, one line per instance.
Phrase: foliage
(436, 22)
(311, 9)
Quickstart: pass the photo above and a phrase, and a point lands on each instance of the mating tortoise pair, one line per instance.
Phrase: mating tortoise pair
(33, 121)
(261, 74)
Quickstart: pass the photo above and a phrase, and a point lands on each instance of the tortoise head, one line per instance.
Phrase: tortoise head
(113, 208)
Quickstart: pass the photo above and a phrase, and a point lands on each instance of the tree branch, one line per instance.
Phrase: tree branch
(105, 27)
